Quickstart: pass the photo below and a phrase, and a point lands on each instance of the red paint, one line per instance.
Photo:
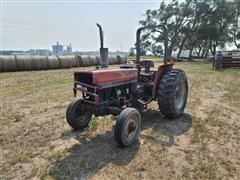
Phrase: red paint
(109, 75)
(158, 77)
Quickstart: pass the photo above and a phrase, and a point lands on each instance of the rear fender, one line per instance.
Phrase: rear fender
(159, 74)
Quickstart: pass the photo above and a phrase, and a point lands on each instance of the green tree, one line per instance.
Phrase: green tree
(235, 26)
(145, 47)
(174, 15)
(198, 25)
(157, 50)
(131, 51)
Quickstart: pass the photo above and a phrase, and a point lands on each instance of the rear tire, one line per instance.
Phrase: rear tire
(172, 93)
(76, 117)
(127, 128)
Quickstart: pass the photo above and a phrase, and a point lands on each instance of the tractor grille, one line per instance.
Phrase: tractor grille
(84, 77)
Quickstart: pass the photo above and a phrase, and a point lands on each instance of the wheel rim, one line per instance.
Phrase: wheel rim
(81, 116)
(131, 128)
(180, 93)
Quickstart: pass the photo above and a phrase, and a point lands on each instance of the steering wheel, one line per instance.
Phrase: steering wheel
(146, 64)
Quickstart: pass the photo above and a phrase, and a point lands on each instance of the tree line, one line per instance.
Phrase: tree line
(197, 25)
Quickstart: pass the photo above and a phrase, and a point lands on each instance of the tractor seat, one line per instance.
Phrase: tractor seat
(145, 67)
(147, 63)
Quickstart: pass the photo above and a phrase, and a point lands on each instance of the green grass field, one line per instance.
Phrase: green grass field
(36, 141)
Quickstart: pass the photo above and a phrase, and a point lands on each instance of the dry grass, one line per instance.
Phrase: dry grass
(37, 142)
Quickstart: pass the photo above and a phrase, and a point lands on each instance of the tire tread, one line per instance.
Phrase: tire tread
(165, 92)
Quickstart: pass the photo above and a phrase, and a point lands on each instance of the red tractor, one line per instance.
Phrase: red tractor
(126, 92)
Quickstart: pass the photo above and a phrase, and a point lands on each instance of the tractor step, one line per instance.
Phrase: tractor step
(145, 100)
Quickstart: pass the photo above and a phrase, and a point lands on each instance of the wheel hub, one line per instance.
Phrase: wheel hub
(180, 92)
(130, 129)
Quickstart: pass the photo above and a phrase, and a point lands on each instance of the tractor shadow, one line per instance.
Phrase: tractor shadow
(162, 127)
(90, 155)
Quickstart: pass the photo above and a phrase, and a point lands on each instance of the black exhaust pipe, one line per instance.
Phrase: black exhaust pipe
(103, 51)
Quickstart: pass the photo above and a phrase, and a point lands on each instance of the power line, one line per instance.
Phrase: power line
(48, 27)
(16, 23)
(84, 1)
(20, 24)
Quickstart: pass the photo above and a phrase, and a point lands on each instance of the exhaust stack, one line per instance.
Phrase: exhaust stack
(103, 51)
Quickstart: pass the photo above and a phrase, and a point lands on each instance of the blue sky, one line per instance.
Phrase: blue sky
(28, 25)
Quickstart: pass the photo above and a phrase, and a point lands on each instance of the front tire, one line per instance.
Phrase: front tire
(76, 117)
(127, 128)
(172, 93)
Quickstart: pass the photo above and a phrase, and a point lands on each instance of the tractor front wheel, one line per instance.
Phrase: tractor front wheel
(76, 117)
(127, 128)
(172, 93)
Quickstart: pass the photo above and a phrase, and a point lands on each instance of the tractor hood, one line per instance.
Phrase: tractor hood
(106, 77)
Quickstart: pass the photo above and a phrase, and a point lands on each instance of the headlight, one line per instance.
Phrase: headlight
(81, 87)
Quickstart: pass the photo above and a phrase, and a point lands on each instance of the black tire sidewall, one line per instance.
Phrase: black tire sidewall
(181, 77)
(72, 118)
(121, 123)
(166, 93)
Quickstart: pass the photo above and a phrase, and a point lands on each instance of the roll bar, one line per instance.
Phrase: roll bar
(138, 41)
(103, 51)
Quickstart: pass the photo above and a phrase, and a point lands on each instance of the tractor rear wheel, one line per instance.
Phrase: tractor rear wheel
(172, 93)
(76, 117)
(127, 128)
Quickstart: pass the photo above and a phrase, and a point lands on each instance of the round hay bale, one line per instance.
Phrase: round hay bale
(84, 61)
(8, 63)
(24, 62)
(1, 64)
(93, 60)
(98, 60)
(119, 59)
(71, 58)
(52, 62)
(113, 60)
(110, 61)
(39, 62)
(122, 59)
(64, 62)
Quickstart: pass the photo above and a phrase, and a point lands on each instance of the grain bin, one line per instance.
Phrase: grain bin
(84, 60)
(7, 63)
(52, 62)
(64, 62)
(39, 62)
(93, 60)
(24, 62)
(70, 59)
